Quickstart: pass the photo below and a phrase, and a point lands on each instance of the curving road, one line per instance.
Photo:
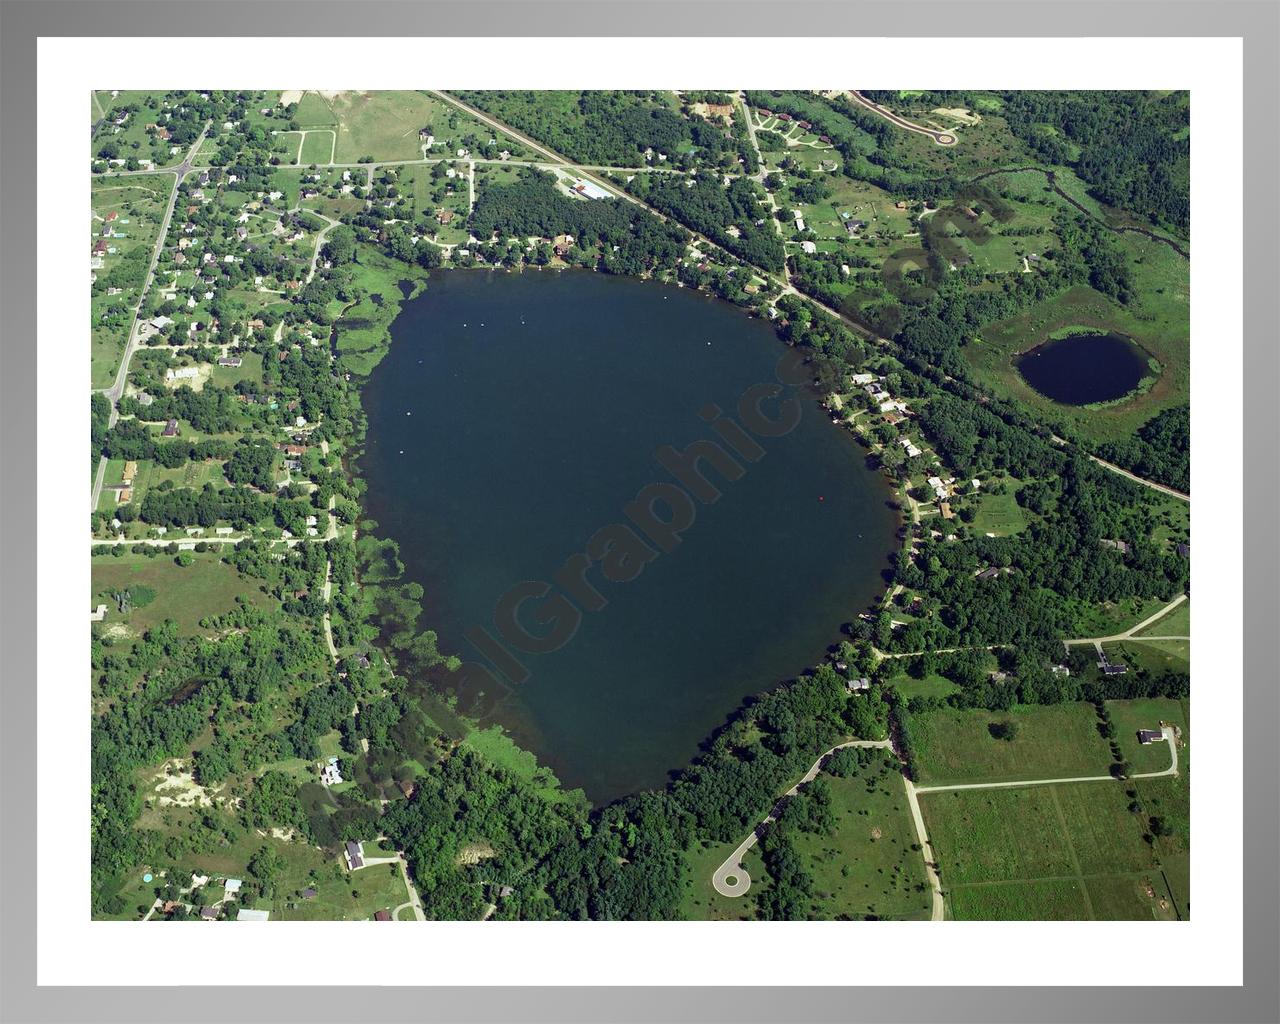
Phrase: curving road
(941, 138)
(730, 878)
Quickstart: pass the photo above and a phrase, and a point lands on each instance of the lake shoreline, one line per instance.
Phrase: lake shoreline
(816, 654)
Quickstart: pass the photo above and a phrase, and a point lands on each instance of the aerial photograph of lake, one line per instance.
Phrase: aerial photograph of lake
(515, 415)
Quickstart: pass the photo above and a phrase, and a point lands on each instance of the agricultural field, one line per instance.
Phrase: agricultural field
(1054, 741)
(378, 126)
(1070, 851)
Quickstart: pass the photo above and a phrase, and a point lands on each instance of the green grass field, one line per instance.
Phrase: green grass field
(867, 868)
(1131, 715)
(701, 902)
(1062, 899)
(1111, 619)
(186, 595)
(930, 686)
(317, 147)
(1156, 656)
(1158, 322)
(1053, 741)
(383, 125)
(1176, 623)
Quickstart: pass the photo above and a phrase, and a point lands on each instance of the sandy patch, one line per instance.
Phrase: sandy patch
(290, 96)
(118, 631)
(195, 383)
(180, 788)
(876, 833)
(958, 114)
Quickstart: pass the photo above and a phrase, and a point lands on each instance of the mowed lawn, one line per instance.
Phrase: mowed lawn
(1071, 851)
(340, 895)
(1051, 742)
(1000, 515)
(317, 147)
(1131, 715)
(184, 594)
(1156, 656)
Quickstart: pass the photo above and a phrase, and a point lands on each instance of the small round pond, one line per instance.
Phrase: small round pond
(1083, 369)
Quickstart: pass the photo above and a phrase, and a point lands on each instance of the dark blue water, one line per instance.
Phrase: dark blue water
(1084, 368)
(516, 415)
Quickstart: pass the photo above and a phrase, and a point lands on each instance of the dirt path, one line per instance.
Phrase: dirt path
(1128, 634)
(1169, 738)
(938, 912)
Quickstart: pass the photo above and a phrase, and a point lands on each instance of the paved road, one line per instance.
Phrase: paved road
(114, 392)
(941, 138)
(732, 867)
(315, 256)
(1181, 496)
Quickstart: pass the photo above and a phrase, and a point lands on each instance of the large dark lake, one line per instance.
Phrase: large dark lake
(1084, 368)
(517, 414)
